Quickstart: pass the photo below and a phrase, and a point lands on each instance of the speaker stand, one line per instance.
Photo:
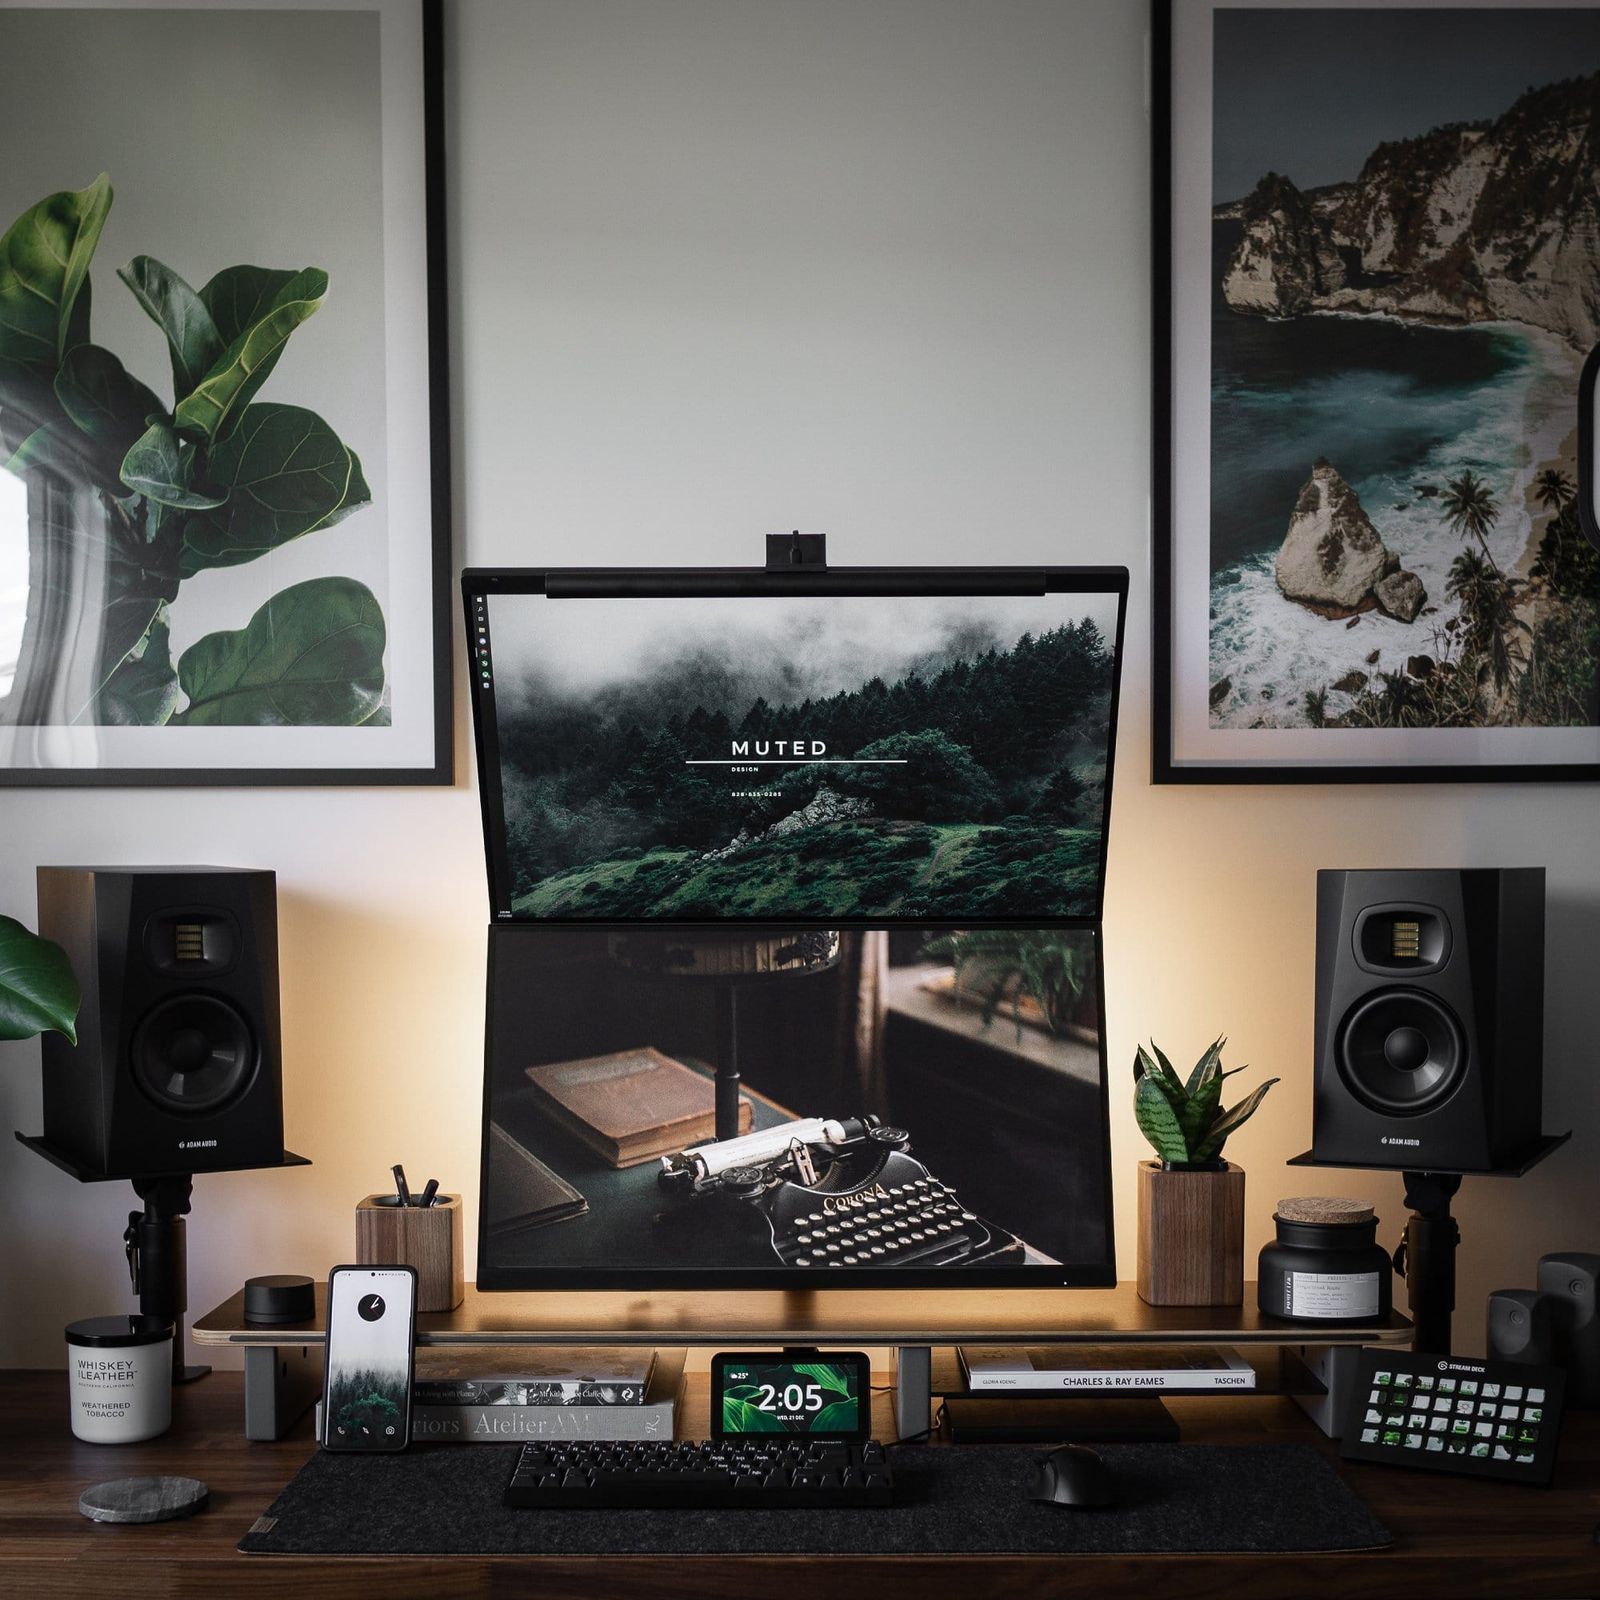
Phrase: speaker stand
(1426, 1258)
(158, 1259)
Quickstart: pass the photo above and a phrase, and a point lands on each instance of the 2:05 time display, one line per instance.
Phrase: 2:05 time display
(789, 1403)
(816, 1394)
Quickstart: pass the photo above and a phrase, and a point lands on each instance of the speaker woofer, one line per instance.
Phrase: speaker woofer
(1401, 1052)
(193, 1053)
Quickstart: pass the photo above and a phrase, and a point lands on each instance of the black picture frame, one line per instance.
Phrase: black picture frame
(439, 766)
(1166, 767)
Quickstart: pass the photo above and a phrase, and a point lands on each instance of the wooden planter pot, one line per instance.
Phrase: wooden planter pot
(1191, 1236)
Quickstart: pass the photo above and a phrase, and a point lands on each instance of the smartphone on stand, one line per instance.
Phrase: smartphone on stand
(366, 1378)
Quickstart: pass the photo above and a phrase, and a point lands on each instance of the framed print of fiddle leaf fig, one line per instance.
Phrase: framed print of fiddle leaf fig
(223, 503)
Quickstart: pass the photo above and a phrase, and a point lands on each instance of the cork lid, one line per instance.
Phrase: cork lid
(1329, 1210)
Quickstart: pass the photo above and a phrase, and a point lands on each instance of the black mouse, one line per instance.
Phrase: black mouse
(1073, 1475)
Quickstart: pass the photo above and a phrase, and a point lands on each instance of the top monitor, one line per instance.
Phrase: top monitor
(847, 745)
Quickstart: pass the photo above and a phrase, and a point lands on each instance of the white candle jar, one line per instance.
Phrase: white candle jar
(119, 1376)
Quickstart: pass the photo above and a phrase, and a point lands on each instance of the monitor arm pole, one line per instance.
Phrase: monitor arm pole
(1426, 1258)
(158, 1259)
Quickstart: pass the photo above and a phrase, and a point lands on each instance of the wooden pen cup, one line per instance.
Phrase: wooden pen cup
(425, 1237)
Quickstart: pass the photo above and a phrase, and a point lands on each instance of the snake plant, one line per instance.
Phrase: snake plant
(1186, 1121)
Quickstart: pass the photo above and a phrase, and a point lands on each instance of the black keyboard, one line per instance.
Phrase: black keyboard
(744, 1472)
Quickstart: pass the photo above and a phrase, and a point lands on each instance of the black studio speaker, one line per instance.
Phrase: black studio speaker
(1568, 1284)
(177, 1068)
(1429, 1018)
(1519, 1328)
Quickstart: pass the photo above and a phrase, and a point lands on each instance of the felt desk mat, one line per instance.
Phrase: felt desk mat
(445, 1500)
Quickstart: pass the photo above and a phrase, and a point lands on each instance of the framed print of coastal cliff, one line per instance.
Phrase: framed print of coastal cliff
(1377, 250)
(224, 487)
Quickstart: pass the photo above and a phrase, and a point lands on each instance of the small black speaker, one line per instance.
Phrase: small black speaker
(1519, 1328)
(1568, 1283)
(177, 1066)
(1429, 1018)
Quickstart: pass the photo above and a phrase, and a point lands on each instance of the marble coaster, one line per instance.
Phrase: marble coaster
(143, 1499)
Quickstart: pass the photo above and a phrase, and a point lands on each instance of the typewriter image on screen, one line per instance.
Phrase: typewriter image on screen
(821, 1193)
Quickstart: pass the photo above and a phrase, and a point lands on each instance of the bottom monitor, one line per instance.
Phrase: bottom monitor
(704, 1107)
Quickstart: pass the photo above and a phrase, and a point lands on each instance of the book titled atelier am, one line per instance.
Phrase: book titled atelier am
(491, 1424)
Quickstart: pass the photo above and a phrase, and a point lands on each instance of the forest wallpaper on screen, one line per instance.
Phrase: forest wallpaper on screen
(840, 757)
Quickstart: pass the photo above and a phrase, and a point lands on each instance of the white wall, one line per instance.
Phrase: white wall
(722, 267)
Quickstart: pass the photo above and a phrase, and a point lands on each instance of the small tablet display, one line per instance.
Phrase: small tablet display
(814, 1394)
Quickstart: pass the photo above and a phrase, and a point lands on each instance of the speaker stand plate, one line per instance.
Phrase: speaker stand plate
(189, 1374)
(1530, 1158)
(74, 1168)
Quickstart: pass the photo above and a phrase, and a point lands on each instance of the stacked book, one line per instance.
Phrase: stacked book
(627, 1397)
(633, 1105)
(1104, 1369)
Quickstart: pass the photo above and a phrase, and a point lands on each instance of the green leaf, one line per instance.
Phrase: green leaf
(1158, 1070)
(44, 268)
(1167, 1072)
(840, 1417)
(1198, 1111)
(220, 397)
(163, 467)
(739, 1416)
(286, 473)
(311, 655)
(143, 690)
(1229, 1121)
(192, 337)
(1157, 1120)
(1207, 1066)
(238, 297)
(60, 449)
(103, 399)
(38, 991)
(139, 580)
(830, 1377)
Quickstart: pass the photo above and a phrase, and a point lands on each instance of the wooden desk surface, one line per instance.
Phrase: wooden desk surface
(1453, 1538)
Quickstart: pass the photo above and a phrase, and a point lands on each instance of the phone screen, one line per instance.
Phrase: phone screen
(366, 1396)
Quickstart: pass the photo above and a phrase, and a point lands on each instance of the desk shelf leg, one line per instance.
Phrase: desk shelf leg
(1334, 1367)
(913, 1391)
(281, 1383)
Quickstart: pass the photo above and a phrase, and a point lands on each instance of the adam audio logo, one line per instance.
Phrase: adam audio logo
(1410, 1144)
(197, 1144)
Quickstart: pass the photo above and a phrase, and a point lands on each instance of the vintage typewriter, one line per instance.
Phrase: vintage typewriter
(823, 1193)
